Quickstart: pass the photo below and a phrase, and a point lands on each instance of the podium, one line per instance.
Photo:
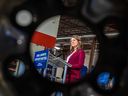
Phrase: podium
(56, 69)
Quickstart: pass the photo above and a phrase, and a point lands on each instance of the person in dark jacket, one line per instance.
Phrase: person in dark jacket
(76, 59)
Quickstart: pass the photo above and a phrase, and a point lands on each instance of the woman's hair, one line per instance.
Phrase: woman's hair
(80, 45)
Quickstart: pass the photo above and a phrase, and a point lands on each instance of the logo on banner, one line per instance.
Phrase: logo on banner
(41, 58)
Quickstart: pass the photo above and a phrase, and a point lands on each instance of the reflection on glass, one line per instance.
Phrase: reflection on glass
(50, 47)
(106, 81)
(111, 30)
(57, 93)
(16, 67)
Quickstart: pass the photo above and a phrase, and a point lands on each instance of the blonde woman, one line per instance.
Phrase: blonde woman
(76, 59)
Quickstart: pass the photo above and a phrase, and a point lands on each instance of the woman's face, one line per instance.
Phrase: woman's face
(74, 42)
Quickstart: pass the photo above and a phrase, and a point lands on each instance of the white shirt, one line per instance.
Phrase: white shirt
(70, 56)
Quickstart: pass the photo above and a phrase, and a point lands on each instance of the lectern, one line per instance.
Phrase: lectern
(56, 68)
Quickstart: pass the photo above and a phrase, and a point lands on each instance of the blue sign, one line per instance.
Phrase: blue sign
(41, 58)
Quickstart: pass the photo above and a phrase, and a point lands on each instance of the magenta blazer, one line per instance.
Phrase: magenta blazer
(77, 62)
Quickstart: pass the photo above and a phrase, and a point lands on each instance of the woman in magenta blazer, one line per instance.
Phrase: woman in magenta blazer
(76, 59)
